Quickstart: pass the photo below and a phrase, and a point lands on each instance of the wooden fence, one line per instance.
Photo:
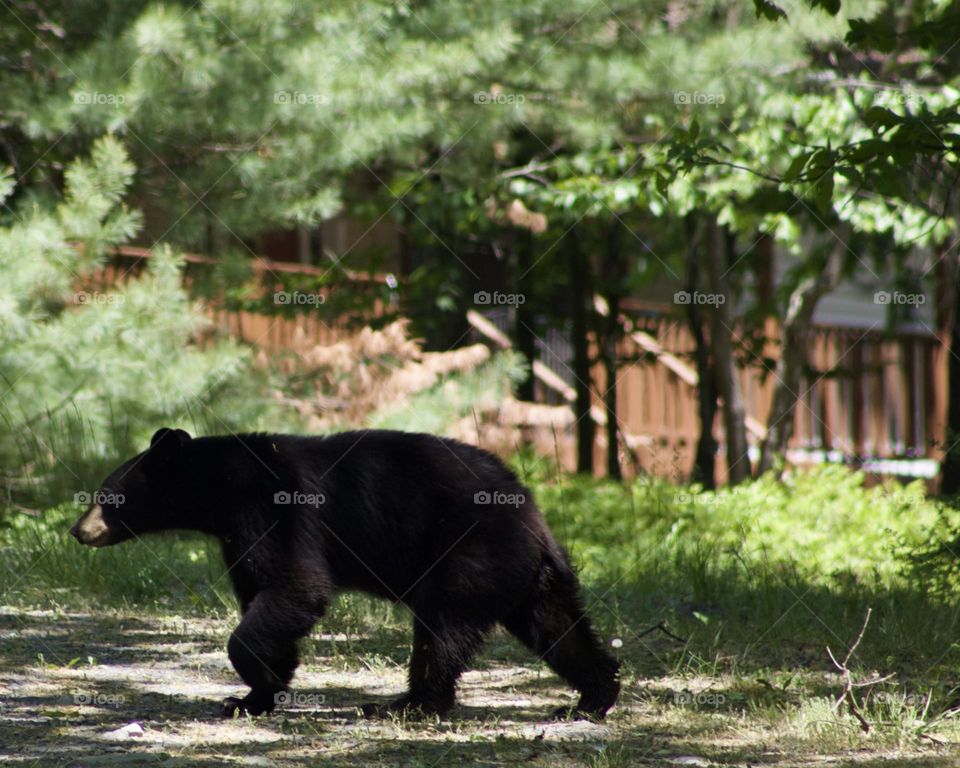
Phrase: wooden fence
(270, 332)
(866, 397)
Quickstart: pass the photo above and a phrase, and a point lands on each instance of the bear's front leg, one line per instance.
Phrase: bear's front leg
(263, 650)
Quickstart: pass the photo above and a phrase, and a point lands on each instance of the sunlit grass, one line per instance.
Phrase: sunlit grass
(749, 587)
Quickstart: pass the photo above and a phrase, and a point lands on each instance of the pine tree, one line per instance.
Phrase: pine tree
(87, 375)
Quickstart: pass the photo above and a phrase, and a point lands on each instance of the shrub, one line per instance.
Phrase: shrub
(88, 376)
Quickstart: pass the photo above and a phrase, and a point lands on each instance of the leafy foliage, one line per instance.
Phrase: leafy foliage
(823, 524)
(87, 375)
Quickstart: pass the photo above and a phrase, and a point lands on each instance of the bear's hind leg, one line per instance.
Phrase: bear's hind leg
(442, 649)
(554, 626)
(263, 650)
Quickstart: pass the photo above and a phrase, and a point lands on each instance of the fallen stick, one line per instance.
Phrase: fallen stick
(848, 682)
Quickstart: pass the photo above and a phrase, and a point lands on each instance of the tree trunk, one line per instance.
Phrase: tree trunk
(949, 300)
(721, 343)
(613, 278)
(705, 460)
(581, 295)
(610, 406)
(793, 358)
(524, 328)
(404, 248)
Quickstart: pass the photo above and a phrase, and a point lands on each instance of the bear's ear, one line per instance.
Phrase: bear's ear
(172, 438)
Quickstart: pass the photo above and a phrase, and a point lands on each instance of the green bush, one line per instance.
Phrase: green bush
(88, 376)
(824, 523)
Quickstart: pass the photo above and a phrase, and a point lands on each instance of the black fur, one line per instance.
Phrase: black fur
(393, 514)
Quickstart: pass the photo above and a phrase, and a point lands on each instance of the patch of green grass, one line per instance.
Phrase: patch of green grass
(749, 586)
(894, 720)
(45, 566)
(768, 573)
(611, 756)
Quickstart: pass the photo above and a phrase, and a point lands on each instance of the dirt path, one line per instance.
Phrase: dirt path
(84, 690)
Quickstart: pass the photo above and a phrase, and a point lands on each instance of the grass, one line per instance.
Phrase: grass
(719, 605)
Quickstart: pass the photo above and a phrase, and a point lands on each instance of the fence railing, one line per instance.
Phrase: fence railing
(867, 397)
(271, 331)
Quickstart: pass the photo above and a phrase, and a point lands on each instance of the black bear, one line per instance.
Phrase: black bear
(442, 527)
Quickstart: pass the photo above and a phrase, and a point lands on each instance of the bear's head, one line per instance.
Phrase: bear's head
(135, 498)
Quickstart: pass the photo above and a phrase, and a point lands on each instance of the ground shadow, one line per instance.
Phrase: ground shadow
(69, 681)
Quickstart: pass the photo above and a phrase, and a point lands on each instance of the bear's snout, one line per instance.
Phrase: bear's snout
(92, 529)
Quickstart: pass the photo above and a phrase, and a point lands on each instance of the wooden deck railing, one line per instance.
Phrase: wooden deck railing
(269, 331)
(867, 394)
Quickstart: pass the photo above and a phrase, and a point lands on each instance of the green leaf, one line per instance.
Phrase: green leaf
(851, 174)
(768, 10)
(663, 184)
(823, 192)
(822, 159)
(881, 116)
(796, 166)
(871, 34)
(866, 150)
(830, 6)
